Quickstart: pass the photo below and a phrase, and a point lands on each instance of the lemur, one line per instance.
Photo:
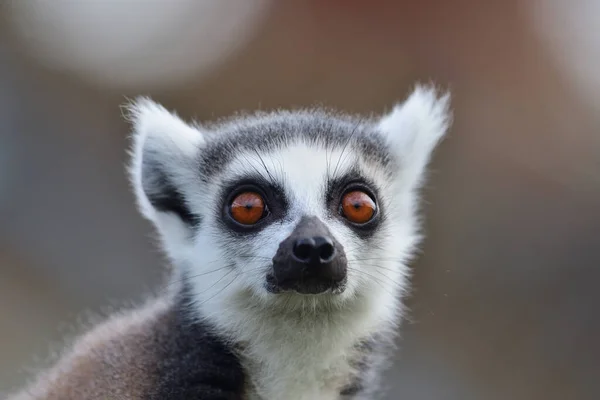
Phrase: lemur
(290, 233)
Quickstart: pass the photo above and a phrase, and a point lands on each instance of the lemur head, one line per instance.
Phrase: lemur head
(287, 207)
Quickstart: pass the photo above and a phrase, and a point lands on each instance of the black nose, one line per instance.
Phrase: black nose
(309, 261)
(314, 250)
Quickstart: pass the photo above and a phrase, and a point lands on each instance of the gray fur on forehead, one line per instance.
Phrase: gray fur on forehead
(325, 131)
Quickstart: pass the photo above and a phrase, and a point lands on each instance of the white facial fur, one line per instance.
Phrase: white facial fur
(310, 333)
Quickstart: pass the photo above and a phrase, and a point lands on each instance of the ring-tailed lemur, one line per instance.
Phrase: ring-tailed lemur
(290, 233)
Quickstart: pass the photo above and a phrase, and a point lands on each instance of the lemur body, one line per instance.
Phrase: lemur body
(290, 233)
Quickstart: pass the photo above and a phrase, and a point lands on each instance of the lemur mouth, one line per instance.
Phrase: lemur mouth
(310, 286)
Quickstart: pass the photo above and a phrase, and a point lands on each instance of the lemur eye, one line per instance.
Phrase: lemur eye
(247, 208)
(358, 207)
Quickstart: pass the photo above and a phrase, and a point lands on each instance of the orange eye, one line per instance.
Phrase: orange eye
(358, 207)
(247, 208)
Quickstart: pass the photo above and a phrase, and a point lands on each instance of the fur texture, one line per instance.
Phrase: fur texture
(220, 333)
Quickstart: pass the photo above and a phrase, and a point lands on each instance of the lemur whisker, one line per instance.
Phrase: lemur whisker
(219, 292)
(390, 259)
(252, 165)
(354, 130)
(375, 279)
(380, 267)
(262, 161)
(187, 278)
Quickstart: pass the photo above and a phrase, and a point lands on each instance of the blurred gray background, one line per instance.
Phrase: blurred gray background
(506, 300)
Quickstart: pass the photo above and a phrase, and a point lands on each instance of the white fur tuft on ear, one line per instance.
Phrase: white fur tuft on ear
(415, 127)
(163, 147)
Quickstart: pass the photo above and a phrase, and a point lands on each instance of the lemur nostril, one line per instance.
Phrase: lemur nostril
(315, 250)
(326, 252)
(303, 249)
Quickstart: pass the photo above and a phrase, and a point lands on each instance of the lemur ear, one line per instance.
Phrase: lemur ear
(162, 160)
(414, 128)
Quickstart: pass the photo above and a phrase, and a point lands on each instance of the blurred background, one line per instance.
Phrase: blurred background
(506, 300)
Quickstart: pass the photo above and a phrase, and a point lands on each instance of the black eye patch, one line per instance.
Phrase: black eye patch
(339, 186)
(272, 194)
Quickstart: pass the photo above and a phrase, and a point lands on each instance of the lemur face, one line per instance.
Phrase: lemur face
(287, 207)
